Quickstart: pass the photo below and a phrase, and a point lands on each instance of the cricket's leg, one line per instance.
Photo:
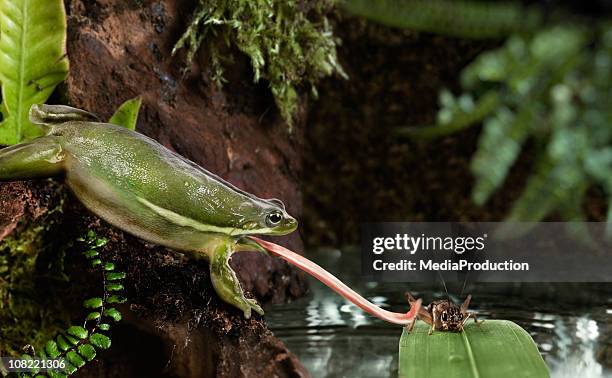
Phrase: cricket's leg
(41, 157)
(433, 322)
(411, 325)
(226, 282)
(471, 315)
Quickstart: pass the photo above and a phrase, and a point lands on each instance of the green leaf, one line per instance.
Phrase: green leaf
(458, 18)
(93, 315)
(62, 343)
(51, 349)
(100, 341)
(109, 267)
(91, 253)
(114, 287)
(32, 61)
(100, 242)
(72, 340)
(93, 303)
(127, 114)
(115, 276)
(87, 351)
(116, 299)
(453, 117)
(494, 348)
(69, 368)
(78, 332)
(75, 359)
(113, 313)
(104, 326)
(499, 145)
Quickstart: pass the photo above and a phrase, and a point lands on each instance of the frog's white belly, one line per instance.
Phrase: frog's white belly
(139, 216)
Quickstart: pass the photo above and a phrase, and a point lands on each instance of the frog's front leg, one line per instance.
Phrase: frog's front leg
(226, 282)
(41, 157)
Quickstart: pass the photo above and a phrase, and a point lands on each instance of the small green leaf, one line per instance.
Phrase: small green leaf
(104, 326)
(113, 313)
(91, 253)
(93, 315)
(114, 287)
(91, 235)
(100, 242)
(109, 267)
(96, 262)
(51, 349)
(72, 340)
(77, 331)
(100, 341)
(69, 368)
(93, 303)
(87, 351)
(116, 299)
(127, 114)
(62, 343)
(75, 359)
(115, 276)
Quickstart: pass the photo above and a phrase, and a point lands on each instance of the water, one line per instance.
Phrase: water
(333, 338)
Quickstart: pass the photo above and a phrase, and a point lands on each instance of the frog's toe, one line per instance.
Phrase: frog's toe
(247, 312)
(255, 306)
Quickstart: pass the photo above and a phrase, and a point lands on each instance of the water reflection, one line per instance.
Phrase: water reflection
(334, 338)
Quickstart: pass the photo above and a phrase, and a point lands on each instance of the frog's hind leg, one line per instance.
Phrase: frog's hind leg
(226, 282)
(41, 157)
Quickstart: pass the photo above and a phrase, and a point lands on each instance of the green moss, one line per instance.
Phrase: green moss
(288, 46)
(27, 313)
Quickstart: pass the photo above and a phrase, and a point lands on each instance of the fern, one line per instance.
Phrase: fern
(458, 18)
(79, 344)
(553, 88)
(548, 85)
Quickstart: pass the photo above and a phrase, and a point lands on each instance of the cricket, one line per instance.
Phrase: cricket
(443, 314)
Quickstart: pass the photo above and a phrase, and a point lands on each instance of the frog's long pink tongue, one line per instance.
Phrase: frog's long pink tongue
(338, 286)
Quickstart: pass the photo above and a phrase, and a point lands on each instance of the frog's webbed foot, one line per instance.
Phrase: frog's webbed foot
(226, 282)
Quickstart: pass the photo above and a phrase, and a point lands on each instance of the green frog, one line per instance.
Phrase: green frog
(141, 187)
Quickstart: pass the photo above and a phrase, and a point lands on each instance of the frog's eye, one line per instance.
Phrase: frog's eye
(274, 219)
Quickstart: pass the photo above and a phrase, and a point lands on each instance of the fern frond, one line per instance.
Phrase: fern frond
(78, 345)
(458, 18)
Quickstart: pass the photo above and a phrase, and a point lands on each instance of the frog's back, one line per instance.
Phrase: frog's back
(112, 166)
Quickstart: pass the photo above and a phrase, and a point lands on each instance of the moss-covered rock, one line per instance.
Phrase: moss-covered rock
(289, 43)
(27, 312)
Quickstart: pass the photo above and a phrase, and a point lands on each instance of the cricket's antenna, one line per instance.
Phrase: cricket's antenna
(444, 284)
(464, 284)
